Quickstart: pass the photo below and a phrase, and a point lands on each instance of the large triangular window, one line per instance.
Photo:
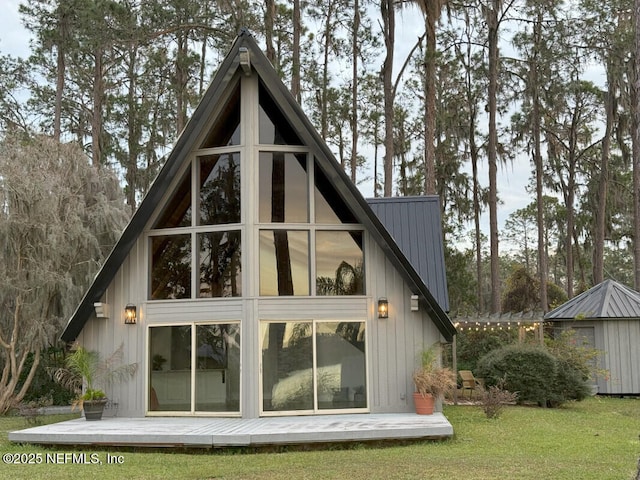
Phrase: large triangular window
(199, 227)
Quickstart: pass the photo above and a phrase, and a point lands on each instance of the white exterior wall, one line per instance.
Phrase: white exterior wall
(621, 342)
(393, 344)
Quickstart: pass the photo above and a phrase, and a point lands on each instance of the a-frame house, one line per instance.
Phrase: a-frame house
(256, 270)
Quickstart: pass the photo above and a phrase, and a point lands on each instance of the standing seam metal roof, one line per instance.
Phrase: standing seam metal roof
(607, 300)
(415, 225)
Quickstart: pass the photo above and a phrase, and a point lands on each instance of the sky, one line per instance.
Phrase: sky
(512, 180)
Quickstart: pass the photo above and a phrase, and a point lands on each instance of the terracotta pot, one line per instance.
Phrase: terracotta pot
(424, 404)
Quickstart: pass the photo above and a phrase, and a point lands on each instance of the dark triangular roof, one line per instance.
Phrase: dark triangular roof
(325, 161)
(416, 226)
(607, 300)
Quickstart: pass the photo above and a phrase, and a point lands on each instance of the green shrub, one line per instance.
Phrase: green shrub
(526, 370)
(43, 386)
(569, 384)
(473, 345)
(535, 374)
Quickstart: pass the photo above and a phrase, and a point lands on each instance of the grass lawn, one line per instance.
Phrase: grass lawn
(595, 439)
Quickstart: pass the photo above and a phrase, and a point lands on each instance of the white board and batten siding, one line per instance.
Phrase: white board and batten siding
(393, 344)
(107, 334)
(621, 341)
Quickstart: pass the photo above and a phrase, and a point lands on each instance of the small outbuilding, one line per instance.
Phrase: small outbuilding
(607, 317)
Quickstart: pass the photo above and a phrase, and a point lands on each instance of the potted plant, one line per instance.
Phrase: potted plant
(85, 368)
(431, 381)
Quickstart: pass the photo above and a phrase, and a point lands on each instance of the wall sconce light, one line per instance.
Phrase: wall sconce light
(130, 315)
(245, 60)
(383, 308)
(415, 305)
(101, 310)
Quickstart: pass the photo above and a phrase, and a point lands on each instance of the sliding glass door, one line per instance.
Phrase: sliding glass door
(194, 368)
(313, 366)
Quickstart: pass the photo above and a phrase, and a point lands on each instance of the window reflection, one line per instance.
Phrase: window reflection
(283, 188)
(287, 361)
(274, 129)
(226, 129)
(170, 375)
(177, 213)
(284, 262)
(329, 207)
(339, 263)
(170, 267)
(220, 189)
(220, 266)
(341, 368)
(218, 368)
(288, 368)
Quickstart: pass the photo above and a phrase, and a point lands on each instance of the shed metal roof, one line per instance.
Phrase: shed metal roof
(415, 225)
(325, 161)
(607, 300)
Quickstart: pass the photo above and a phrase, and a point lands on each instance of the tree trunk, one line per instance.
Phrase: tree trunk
(636, 146)
(492, 23)
(430, 106)
(388, 18)
(324, 107)
(269, 19)
(57, 115)
(182, 79)
(96, 119)
(354, 90)
(537, 153)
(131, 174)
(603, 186)
(295, 54)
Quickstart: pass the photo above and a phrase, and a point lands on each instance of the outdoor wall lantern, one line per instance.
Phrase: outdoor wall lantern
(130, 315)
(383, 308)
(415, 305)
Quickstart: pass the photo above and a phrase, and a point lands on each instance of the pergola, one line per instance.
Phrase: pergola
(524, 321)
(531, 321)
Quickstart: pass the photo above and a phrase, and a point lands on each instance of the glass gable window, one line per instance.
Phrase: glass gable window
(218, 260)
(329, 208)
(273, 127)
(220, 266)
(177, 213)
(289, 255)
(313, 366)
(170, 267)
(283, 188)
(203, 214)
(339, 263)
(226, 128)
(219, 183)
(284, 262)
(194, 368)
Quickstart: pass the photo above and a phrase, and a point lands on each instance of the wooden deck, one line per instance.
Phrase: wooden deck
(227, 432)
